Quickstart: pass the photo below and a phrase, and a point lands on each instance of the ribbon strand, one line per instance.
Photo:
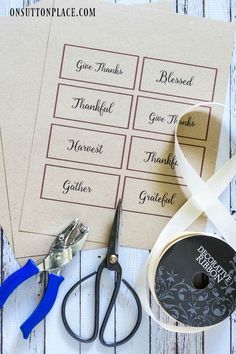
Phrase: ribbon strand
(204, 199)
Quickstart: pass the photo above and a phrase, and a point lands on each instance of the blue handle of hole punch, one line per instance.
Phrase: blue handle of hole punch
(45, 305)
(15, 279)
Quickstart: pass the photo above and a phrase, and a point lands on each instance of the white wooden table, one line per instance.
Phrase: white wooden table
(50, 336)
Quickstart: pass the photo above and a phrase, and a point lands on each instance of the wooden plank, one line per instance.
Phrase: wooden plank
(56, 337)
(6, 5)
(162, 340)
(217, 10)
(191, 8)
(80, 309)
(132, 261)
(19, 306)
(29, 2)
(233, 10)
(130, 1)
(89, 263)
(217, 339)
(232, 15)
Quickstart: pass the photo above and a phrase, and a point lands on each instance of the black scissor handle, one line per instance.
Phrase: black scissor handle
(63, 313)
(118, 279)
(136, 326)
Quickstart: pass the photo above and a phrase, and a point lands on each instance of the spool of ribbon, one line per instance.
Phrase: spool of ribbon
(204, 199)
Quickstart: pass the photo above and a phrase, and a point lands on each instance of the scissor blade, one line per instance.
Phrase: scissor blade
(114, 237)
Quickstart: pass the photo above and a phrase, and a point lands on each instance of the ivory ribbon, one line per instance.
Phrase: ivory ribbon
(204, 199)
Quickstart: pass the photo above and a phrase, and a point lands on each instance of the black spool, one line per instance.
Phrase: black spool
(195, 280)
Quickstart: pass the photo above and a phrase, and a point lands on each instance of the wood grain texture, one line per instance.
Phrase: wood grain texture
(50, 337)
(232, 16)
(190, 343)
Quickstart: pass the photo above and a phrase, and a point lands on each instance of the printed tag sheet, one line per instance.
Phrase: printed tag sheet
(111, 94)
(26, 61)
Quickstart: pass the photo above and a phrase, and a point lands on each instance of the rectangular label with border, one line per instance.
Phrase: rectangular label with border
(158, 157)
(79, 186)
(98, 66)
(93, 106)
(178, 79)
(152, 197)
(86, 146)
(160, 116)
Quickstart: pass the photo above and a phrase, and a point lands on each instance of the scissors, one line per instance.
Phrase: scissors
(63, 249)
(111, 263)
